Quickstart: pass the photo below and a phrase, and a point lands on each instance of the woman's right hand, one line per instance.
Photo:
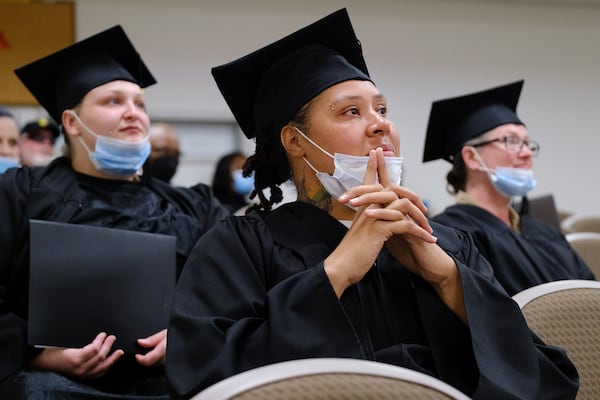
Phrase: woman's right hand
(89, 362)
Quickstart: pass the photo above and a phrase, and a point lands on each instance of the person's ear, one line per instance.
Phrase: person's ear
(470, 158)
(290, 140)
(69, 123)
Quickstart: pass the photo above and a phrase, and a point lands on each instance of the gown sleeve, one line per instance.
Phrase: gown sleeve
(14, 191)
(513, 362)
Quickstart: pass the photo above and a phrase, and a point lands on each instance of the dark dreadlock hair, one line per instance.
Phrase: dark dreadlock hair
(271, 166)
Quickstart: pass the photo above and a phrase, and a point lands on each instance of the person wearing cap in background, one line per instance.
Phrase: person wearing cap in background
(352, 268)
(9, 141)
(230, 185)
(94, 88)
(492, 160)
(165, 152)
(36, 144)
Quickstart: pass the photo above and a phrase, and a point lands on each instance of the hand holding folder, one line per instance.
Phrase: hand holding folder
(85, 280)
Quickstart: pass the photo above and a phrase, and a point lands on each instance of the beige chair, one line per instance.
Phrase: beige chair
(567, 314)
(587, 246)
(563, 214)
(332, 379)
(581, 222)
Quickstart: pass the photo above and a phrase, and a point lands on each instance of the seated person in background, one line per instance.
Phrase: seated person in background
(165, 151)
(492, 160)
(36, 144)
(352, 268)
(229, 184)
(94, 87)
(9, 141)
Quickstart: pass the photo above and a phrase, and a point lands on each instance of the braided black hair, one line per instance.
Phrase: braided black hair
(271, 166)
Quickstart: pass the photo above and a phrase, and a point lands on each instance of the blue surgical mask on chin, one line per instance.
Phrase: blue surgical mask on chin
(8, 162)
(349, 171)
(509, 181)
(242, 185)
(114, 156)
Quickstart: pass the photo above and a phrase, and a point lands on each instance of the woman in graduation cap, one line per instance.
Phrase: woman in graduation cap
(352, 268)
(492, 159)
(95, 89)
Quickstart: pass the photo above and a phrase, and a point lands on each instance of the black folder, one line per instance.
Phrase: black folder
(85, 280)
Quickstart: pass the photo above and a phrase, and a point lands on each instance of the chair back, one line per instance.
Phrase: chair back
(541, 207)
(330, 378)
(567, 314)
(581, 222)
(587, 246)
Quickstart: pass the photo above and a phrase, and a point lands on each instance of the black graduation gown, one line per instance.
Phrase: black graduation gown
(537, 255)
(57, 193)
(254, 291)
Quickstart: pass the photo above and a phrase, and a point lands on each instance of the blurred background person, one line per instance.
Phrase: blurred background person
(165, 151)
(9, 141)
(36, 143)
(229, 185)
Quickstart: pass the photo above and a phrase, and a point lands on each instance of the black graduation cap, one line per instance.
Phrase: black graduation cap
(455, 120)
(266, 88)
(60, 80)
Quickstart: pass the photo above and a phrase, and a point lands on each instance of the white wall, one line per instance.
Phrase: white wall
(417, 51)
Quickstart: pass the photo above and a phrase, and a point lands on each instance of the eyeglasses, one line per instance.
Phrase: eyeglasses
(514, 144)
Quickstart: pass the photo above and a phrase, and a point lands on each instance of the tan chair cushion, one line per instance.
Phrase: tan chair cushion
(342, 387)
(570, 319)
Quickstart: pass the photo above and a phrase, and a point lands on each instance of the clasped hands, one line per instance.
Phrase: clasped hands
(391, 215)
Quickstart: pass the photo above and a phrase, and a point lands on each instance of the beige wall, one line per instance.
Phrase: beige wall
(417, 51)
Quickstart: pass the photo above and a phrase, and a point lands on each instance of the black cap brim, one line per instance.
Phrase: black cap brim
(455, 120)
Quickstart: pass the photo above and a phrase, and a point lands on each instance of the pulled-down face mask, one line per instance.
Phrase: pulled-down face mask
(509, 181)
(349, 171)
(114, 156)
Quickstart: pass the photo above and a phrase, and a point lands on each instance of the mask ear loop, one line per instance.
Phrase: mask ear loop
(482, 166)
(314, 144)
(80, 122)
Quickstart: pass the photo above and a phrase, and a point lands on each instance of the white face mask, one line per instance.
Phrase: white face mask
(509, 181)
(40, 160)
(349, 171)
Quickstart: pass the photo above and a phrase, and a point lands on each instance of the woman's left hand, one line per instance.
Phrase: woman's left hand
(158, 344)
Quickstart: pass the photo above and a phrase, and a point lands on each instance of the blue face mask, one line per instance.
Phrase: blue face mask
(242, 185)
(8, 162)
(114, 156)
(512, 181)
(509, 181)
